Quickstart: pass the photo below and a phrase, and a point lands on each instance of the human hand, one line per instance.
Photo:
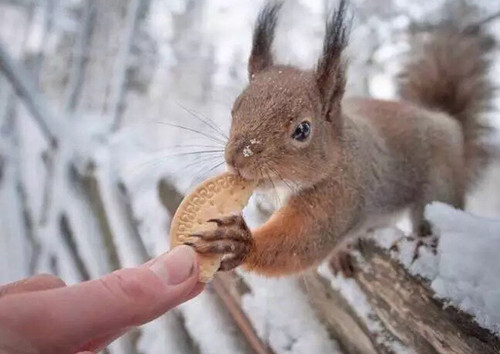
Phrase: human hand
(43, 315)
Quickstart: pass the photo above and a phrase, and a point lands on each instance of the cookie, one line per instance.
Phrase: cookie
(222, 195)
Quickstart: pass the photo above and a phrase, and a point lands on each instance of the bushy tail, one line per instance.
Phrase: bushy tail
(447, 71)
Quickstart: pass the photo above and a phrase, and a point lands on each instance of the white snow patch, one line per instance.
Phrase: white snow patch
(210, 327)
(468, 267)
(465, 270)
(282, 316)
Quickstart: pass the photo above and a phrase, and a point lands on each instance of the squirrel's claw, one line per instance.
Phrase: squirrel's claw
(428, 241)
(231, 262)
(228, 220)
(219, 246)
(232, 238)
(342, 262)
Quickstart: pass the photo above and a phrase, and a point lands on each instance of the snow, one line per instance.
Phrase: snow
(465, 270)
(468, 266)
(210, 327)
(279, 310)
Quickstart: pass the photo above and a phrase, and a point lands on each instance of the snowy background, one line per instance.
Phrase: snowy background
(115, 80)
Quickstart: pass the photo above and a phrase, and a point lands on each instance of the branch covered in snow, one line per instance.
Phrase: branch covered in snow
(48, 122)
(407, 306)
(122, 63)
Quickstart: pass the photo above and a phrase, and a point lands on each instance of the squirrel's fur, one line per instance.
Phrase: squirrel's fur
(447, 72)
(365, 160)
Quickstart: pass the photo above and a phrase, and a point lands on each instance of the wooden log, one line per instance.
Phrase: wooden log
(336, 314)
(408, 307)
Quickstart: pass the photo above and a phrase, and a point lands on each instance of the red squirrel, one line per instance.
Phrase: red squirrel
(353, 163)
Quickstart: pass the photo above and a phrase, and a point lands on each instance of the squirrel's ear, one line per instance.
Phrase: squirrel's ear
(331, 69)
(263, 35)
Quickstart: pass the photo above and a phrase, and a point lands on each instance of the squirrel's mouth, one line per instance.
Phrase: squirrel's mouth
(253, 174)
(242, 172)
(267, 181)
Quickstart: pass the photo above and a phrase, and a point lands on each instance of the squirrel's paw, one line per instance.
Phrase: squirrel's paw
(422, 238)
(232, 238)
(429, 241)
(342, 262)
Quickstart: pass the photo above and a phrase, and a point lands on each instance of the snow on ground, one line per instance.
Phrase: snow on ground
(465, 270)
(468, 268)
(280, 312)
(210, 326)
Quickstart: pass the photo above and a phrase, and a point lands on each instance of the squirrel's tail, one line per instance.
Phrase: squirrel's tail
(447, 71)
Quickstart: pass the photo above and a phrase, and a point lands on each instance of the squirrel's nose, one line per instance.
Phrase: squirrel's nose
(239, 152)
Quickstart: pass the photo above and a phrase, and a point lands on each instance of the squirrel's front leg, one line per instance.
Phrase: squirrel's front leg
(289, 242)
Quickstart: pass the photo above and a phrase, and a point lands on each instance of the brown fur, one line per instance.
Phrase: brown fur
(365, 160)
(447, 72)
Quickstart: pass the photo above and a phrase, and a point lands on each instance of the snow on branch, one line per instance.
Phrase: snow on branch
(47, 121)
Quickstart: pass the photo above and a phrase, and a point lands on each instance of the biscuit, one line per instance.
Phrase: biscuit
(222, 195)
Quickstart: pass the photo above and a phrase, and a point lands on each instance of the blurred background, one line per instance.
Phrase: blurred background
(107, 114)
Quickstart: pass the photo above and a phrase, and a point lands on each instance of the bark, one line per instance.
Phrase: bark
(404, 305)
(408, 307)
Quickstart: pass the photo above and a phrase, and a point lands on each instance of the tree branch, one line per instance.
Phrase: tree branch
(80, 57)
(485, 20)
(35, 103)
(408, 307)
(122, 63)
(69, 239)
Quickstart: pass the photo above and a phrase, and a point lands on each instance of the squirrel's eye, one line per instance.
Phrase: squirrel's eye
(302, 131)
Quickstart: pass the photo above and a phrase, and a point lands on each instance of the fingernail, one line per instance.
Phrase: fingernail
(176, 266)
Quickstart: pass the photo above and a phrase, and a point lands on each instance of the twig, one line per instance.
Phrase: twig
(80, 57)
(222, 287)
(131, 222)
(91, 186)
(122, 63)
(169, 196)
(25, 89)
(11, 128)
(28, 223)
(49, 162)
(485, 20)
(69, 239)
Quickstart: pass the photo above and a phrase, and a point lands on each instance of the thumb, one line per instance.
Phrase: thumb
(65, 319)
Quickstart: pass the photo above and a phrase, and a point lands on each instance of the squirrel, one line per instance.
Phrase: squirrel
(353, 164)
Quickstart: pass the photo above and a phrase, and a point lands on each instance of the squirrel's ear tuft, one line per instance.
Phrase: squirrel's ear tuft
(263, 35)
(331, 71)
